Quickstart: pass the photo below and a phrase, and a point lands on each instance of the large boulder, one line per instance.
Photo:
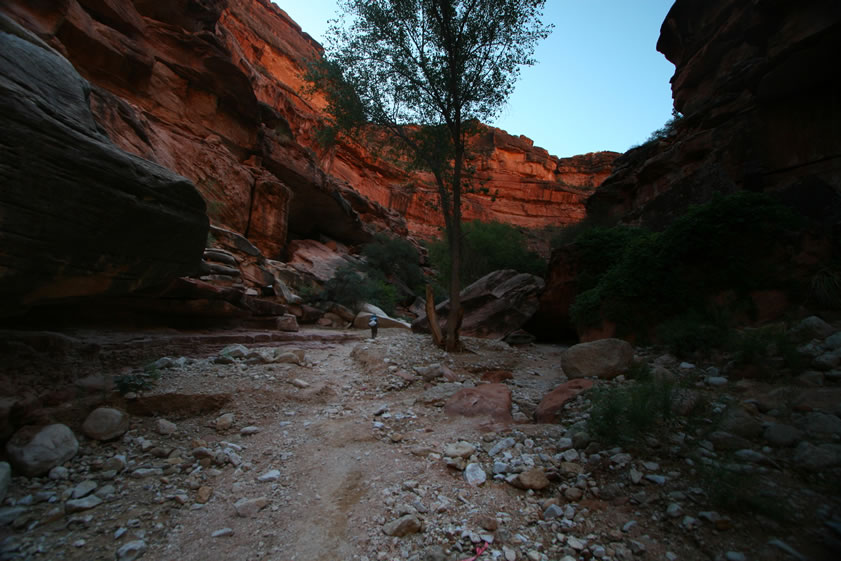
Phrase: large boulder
(605, 358)
(36, 450)
(497, 304)
(105, 423)
(486, 400)
(78, 215)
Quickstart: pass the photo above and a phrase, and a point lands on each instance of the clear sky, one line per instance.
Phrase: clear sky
(599, 84)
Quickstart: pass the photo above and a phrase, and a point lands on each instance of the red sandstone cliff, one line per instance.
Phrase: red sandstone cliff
(211, 90)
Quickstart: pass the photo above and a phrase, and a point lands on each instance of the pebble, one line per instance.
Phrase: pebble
(224, 532)
(165, 427)
(131, 551)
(403, 526)
(735, 556)
(658, 479)
(474, 475)
(501, 446)
(84, 489)
(78, 505)
(272, 475)
(248, 508)
(459, 450)
(224, 422)
(250, 430)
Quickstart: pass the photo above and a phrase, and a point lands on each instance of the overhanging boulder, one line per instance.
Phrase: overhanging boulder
(78, 216)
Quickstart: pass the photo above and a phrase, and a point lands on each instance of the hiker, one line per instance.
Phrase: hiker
(372, 323)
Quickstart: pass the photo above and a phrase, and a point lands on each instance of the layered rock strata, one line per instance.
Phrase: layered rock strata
(213, 91)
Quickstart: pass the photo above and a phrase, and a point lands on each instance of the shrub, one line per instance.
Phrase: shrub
(394, 257)
(388, 262)
(350, 287)
(622, 414)
(639, 279)
(488, 247)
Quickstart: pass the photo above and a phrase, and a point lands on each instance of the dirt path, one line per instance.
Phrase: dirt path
(323, 458)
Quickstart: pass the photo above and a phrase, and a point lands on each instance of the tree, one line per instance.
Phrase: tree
(428, 71)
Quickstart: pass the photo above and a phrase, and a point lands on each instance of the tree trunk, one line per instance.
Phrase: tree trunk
(432, 316)
(454, 317)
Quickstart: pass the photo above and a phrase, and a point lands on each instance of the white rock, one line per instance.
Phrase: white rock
(35, 451)
(165, 427)
(272, 475)
(105, 423)
(131, 551)
(475, 475)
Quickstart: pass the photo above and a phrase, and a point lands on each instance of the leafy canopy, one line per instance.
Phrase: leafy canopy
(421, 61)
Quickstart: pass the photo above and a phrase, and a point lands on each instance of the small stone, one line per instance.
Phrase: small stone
(9, 514)
(658, 479)
(501, 445)
(131, 551)
(105, 423)
(59, 473)
(116, 463)
(403, 526)
(575, 543)
(272, 475)
(224, 532)
(298, 383)
(84, 489)
(203, 494)
(628, 526)
(573, 494)
(250, 430)
(716, 380)
(735, 556)
(534, 478)
(224, 422)
(78, 505)
(637, 547)
(674, 510)
(165, 427)
(459, 450)
(248, 508)
(554, 511)
(475, 475)
(636, 476)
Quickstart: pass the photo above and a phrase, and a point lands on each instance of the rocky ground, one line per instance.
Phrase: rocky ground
(333, 446)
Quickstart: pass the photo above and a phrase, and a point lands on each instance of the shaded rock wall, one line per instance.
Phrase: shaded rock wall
(758, 85)
(78, 215)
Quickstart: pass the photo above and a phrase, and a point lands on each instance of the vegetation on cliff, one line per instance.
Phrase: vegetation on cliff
(700, 271)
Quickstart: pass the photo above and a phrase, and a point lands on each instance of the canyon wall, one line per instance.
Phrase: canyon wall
(212, 91)
(760, 94)
(79, 217)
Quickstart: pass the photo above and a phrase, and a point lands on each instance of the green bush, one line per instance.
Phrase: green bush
(394, 258)
(488, 247)
(639, 279)
(623, 414)
(389, 262)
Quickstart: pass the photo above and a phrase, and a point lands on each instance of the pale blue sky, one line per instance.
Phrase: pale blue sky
(599, 84)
